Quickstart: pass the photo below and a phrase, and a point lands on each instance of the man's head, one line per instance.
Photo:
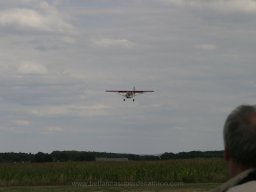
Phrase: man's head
(240, 138)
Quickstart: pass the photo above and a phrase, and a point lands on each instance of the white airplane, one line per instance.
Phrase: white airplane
(129, 94)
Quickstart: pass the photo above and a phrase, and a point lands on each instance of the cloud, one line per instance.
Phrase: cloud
(21, 122)
(197, 58)
(68, 40)
(45, 18)
(71, 110)
(207, 47)
(118, 43)
(248, 6)
(30, 68)
(23, 17)
(52, 130)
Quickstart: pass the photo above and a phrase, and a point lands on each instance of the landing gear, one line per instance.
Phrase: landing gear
(123, 99)
(133, 100)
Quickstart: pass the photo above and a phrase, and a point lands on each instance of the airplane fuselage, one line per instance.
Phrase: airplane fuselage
(129, 95)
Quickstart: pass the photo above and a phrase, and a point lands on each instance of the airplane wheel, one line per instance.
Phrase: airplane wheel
(124, 100)
(133, 100)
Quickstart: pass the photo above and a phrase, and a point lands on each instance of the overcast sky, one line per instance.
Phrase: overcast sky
(58, 57)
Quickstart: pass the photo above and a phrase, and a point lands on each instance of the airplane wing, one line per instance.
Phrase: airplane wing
(125, 91)
(118, 91)
(129, 94)
(142, 91)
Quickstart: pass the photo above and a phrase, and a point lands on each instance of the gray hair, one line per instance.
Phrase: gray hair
(240, 135)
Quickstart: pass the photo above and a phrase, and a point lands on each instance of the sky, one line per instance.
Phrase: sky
(58, 57)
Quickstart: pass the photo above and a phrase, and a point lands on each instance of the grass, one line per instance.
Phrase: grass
(185, 188)
(195, 174)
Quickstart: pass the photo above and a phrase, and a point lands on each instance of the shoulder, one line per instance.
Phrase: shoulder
(246, 187)
(234, 182)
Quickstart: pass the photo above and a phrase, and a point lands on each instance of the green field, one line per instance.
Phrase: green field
(190, 175)
(185, 188)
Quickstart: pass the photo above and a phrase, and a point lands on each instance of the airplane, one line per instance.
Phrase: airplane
(129, 94)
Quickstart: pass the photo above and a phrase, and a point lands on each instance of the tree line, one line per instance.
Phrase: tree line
(64, 156)
(192, 154)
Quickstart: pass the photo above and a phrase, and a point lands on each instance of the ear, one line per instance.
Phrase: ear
(226, 154)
